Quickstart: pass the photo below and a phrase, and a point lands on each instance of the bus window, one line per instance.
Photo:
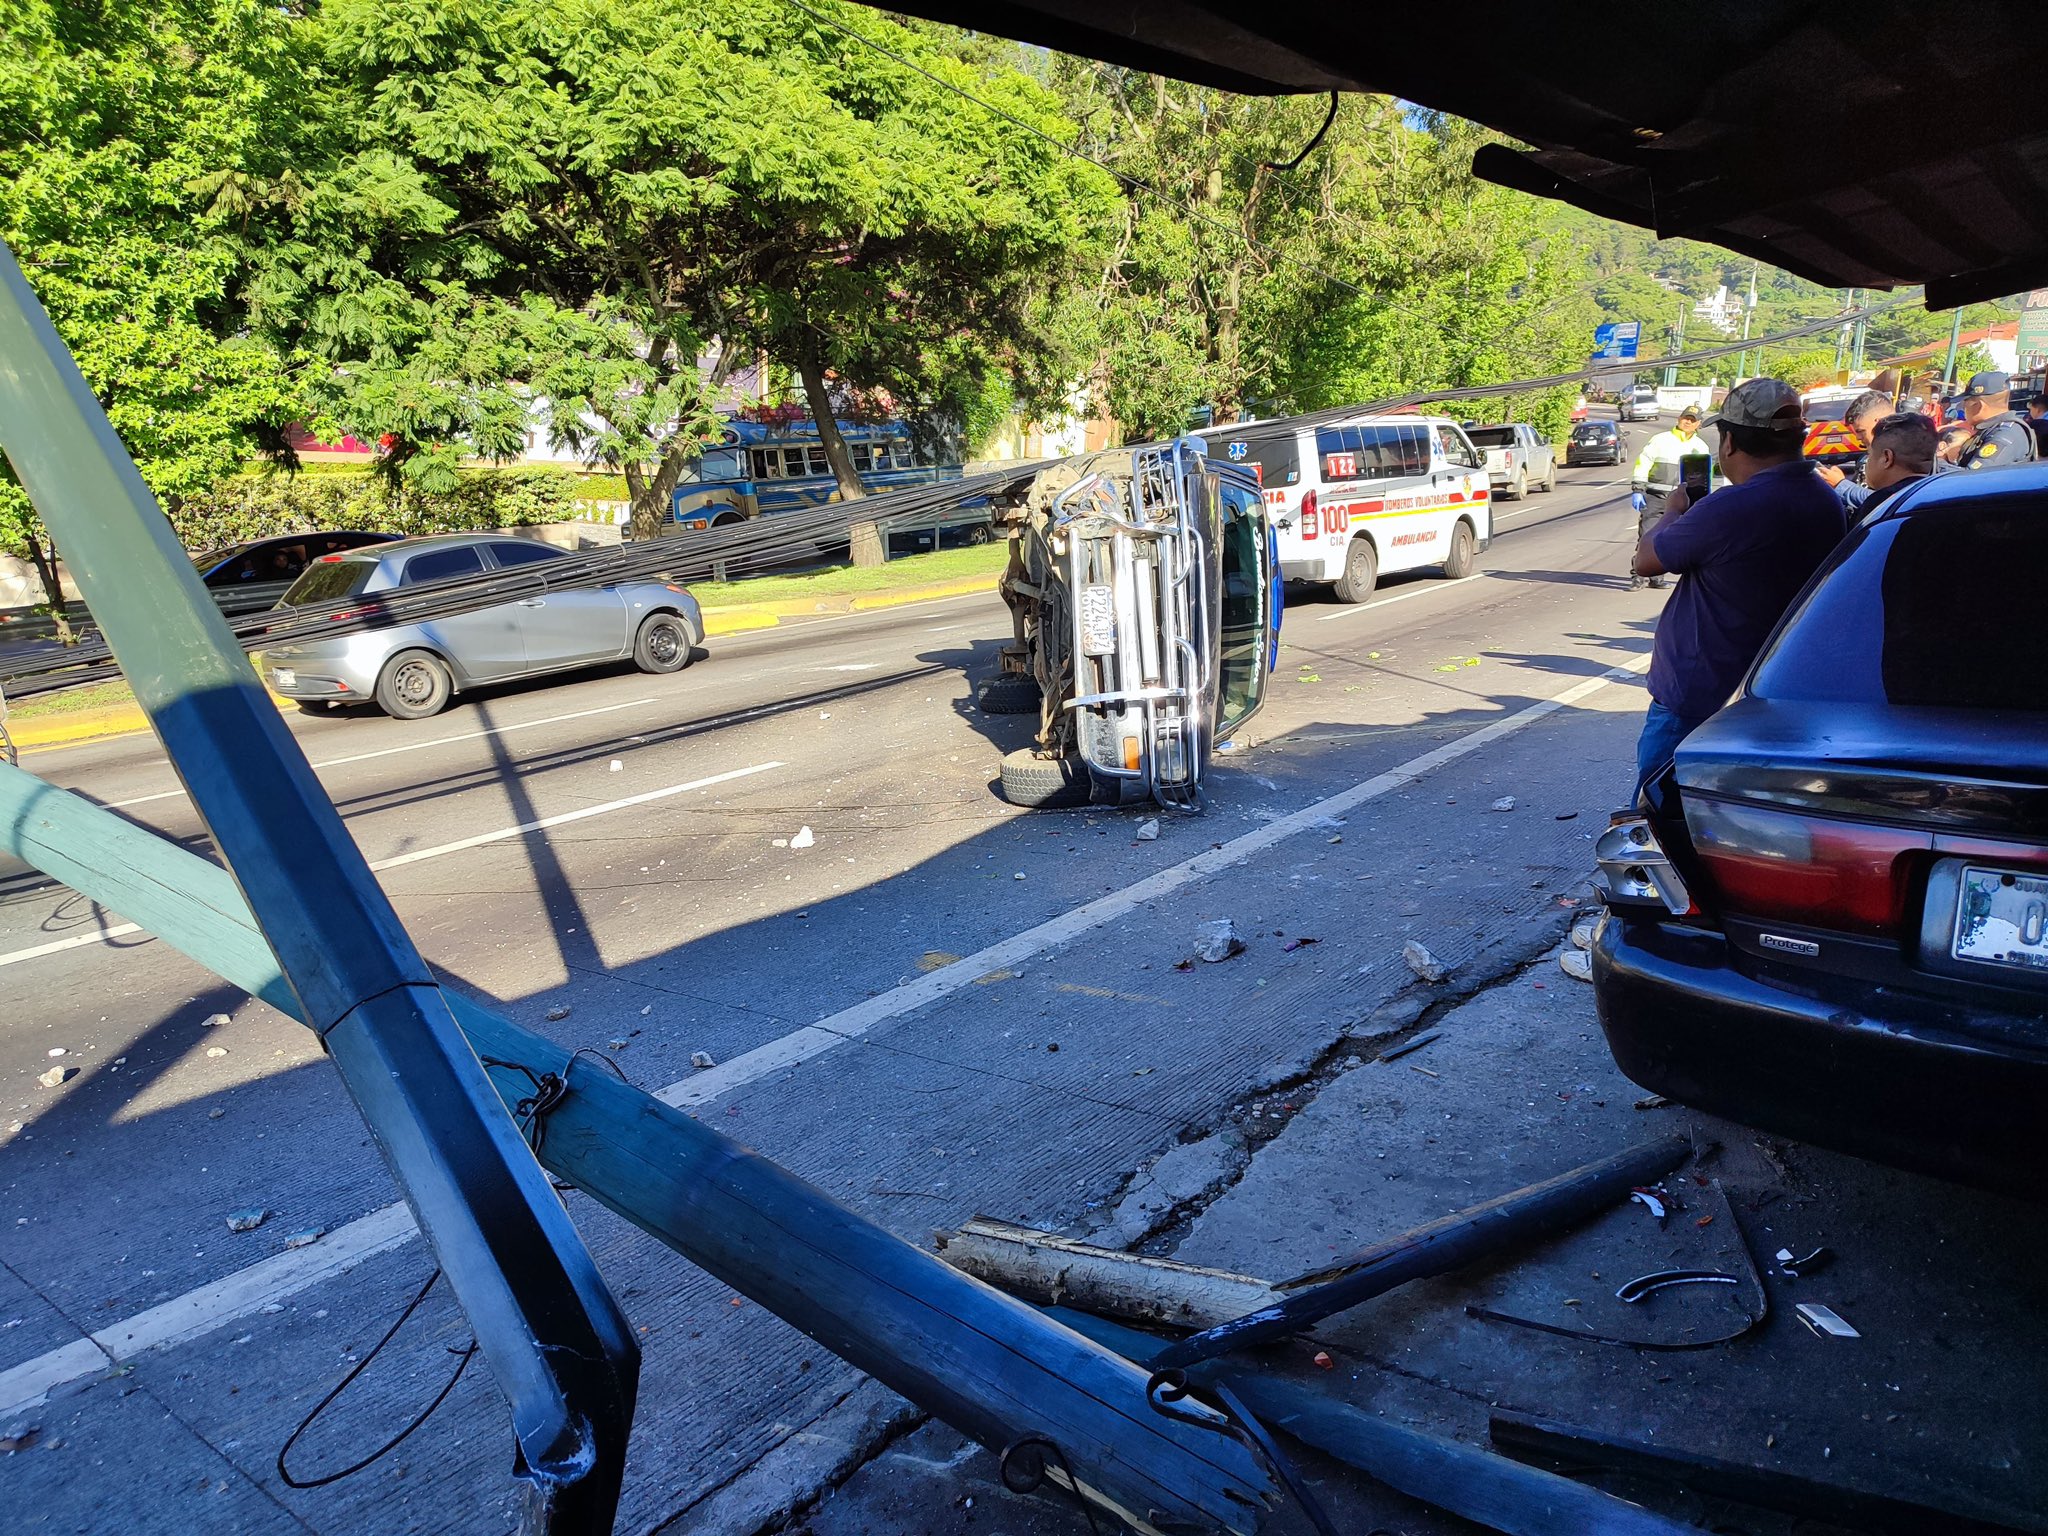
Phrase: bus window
(863, 457)
(718, 465)
(815, 461)
(767, 464)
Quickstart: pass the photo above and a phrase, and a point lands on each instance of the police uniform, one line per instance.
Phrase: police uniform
(2007, 438)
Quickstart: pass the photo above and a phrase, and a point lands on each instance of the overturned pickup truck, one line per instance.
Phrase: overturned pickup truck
(1145, 596)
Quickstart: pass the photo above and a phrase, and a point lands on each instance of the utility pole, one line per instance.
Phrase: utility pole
(1748, 314)
(1842, 338)
(1677, 348)
(1955, 342)
(1857, 346)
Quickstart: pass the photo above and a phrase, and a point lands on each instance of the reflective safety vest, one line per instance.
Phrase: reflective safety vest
(1657, 465)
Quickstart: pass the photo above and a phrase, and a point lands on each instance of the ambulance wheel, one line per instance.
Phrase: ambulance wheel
(1458, 564)
(1361, 571)
(1044, 783)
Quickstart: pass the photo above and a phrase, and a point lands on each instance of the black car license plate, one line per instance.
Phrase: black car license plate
(2002, 919)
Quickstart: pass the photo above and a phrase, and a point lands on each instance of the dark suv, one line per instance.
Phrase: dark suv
(1594, 442)
(1829, 916)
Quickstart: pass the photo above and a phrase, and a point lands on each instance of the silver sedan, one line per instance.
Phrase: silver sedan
(413, 670)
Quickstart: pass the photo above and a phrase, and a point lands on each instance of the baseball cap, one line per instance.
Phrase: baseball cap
(1987, 383)
(1768, 405)
(1690, 413)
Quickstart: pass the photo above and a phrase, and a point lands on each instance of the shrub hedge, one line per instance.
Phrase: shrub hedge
(261, 503)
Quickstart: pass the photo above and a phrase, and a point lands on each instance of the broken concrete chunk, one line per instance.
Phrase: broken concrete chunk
(804, 838)
(56, 1077)
(305, 1237)
(1423, 963)
(216, 1051)
(701, 1060)
(1148, 831)
(557, 1013)
(247, 1220)
(215, 1020)
(1217, 941)
(1504, 803)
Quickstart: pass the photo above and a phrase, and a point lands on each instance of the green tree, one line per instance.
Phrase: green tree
(113, 116)
(555, 210)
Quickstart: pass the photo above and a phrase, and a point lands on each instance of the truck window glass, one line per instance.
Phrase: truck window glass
(1240, 677)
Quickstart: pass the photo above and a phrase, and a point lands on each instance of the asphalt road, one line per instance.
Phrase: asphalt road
(625, 848)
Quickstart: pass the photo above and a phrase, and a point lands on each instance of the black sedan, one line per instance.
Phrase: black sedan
(1594, 442)
(1829, 917)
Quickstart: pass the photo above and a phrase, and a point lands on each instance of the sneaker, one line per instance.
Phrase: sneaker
(1583, 931)
(1577, 964)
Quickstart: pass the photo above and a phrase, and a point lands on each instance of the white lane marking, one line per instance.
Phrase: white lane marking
(419, 746)
(851, 666)
(940, 629)
(1398, 597)
(76, 941)
(249, 1290)
(421, 854)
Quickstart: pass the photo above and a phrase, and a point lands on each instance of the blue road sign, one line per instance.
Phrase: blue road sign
(1616, 340)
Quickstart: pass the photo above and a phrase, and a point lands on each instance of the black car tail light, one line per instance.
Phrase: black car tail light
(1640, 875)
(1763, 862)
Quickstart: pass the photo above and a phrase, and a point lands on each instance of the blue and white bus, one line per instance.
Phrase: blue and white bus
(757, 470)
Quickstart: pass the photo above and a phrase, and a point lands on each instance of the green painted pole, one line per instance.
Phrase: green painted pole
(986, 1363)
(1955, 345)
(556, 1341)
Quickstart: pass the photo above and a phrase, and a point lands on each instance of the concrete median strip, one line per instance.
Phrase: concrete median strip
(247, 1291)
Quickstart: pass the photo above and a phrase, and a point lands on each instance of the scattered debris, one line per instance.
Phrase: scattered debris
(1825, 1321)
(1148, 831)
(1652, 1101)
(557, 1013)
(1323, 1360)
(215, 1020)
(1504, 803)
(56, 1077)
(247, 1220)
(647, 1010)
(804, 838)
(1800, 1269)
(19, 1439)
(216, 1051)
(1566, 816)
(1644, 1197)
(702, 1060)
(1018, 876)
(1217, 941)
(56, 1050)
(1423, 963)
(616, 766)
(305, 1237)
(1577, 964)
(1299, 943)
(1396, 1052)
(1423, 1070)
(1640, 1287)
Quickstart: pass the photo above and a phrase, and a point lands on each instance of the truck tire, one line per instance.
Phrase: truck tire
(414, 685)
(1009, 693)
(1361, 571)
(1550, 475)
(662, 644)
(1458, 564)
(1043, 783)
(1518, 487)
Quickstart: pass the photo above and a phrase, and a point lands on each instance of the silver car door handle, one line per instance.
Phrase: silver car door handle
(532, 602)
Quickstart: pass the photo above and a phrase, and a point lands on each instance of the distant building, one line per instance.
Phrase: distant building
(1720, 311)
(2001, 342)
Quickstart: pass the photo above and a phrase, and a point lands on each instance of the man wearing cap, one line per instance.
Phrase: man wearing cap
(1999, 434)
(1744, 552)
(1658, 472)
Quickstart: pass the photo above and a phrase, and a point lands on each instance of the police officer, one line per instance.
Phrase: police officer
(1657, 471)
(1999, 435)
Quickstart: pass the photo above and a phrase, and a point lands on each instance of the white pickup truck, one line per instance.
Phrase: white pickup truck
(1518, 457)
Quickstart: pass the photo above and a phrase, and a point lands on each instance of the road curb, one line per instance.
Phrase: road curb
(745, 616)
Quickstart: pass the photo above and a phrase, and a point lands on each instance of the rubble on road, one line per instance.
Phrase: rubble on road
(1423, 963)
(1217, 941)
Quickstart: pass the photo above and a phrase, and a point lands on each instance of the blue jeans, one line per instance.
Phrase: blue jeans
(1663, 730)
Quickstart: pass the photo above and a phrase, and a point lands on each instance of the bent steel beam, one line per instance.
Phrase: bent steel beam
(560, 1348)
(984, 1362)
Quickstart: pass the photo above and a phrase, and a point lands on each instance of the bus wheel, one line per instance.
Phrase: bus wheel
(1361, 571)
(1044, 783)
(1458, 564)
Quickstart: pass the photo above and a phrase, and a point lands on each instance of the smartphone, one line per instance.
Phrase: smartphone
(1692, 471)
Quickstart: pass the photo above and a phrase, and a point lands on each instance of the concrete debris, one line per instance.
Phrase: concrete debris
(56, 1050)
(1217, 941)
(616, 766)
(215, 1114)
(247, 1220)
(305, 1237)
(216, 1051)
(56, 1077)
(1148, 831)
(1644, 1198)
(1504, 803)
(19, 1439)
(1018, 876)
(1423, 963)
(215, 1020)
(1577, 964)
(702, 1060)
(804, 838)
(647, 1010)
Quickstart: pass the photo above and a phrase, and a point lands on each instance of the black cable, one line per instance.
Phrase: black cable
(1310, 147)
(341, 1386)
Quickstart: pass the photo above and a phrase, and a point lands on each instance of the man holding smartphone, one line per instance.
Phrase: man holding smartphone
(1744, 552)
(1665, 462)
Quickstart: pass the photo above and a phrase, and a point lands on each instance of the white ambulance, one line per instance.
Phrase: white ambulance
(1354, 499)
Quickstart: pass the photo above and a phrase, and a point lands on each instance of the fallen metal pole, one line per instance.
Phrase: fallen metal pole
(1448, 1243)
(1490, 1490)
(987, 1364)
(1830, 1503)
(1058, 1271)
(552, 1335)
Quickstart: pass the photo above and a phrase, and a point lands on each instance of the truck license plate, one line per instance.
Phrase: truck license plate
(2002, 919)
(285, 677)
(1098, 621)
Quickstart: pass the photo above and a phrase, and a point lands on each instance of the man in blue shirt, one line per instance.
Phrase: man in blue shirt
(1744, 552)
